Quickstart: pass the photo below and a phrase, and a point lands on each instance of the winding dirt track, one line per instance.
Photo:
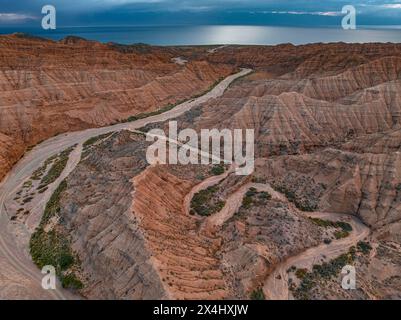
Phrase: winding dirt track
(19, 277)
(276, 285)
(234, 202)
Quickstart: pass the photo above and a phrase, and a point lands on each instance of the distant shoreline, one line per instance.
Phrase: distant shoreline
(209, 35)
(73, 37)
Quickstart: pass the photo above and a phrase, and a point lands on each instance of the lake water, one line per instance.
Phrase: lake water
(202, 35)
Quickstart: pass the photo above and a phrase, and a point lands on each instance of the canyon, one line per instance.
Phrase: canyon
(325, 192)
(48, 87)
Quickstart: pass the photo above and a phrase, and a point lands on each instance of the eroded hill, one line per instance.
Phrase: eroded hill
(47, 87)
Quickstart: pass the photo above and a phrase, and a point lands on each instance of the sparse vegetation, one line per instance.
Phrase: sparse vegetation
(86, 146)
(57, 168)
(327, 241)
(153, 113)
(217, 169)
(247, 202)
(345, 228)
(253, 197)
(301, 273)
(170, 106)
(364, 247)
(203, 202)
(70, 281)
(292, 269)
(341, 234)
(241, 78)
(38, 173)
(53, 205)
(324, 271)
(91, 141)
(52, 247)
(265, 195)
(27, 184)
(27, 200)
(43, 189)
(301, 204)
(257, 294)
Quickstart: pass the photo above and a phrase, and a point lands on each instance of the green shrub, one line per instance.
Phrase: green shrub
(247, 202)
(43, 189)
(257, 294)
(341, 234)
(364, 247)
(301, 273)
(251, 192)
(91, 141)
(200, 177)
(217, 170)
(302, 205)
(53, 205)
(202, 202)
(66, 259)
(264, 195)
(344, 226)
(321, 222)
(53, 247)
(27, 200)
(70, 281)
(326, 271)
(220, 205)
(253, 197)
(56, 169)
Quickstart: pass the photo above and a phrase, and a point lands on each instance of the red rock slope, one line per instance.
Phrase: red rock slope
(49, 87)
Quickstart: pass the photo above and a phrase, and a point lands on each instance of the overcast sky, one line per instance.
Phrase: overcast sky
(176, 12)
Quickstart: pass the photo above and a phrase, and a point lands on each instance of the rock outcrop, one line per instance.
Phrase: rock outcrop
(96, 213)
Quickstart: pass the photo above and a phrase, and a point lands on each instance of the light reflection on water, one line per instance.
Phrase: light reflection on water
(201, 35)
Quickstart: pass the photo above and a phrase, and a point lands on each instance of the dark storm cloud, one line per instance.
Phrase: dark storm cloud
(102, 12)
